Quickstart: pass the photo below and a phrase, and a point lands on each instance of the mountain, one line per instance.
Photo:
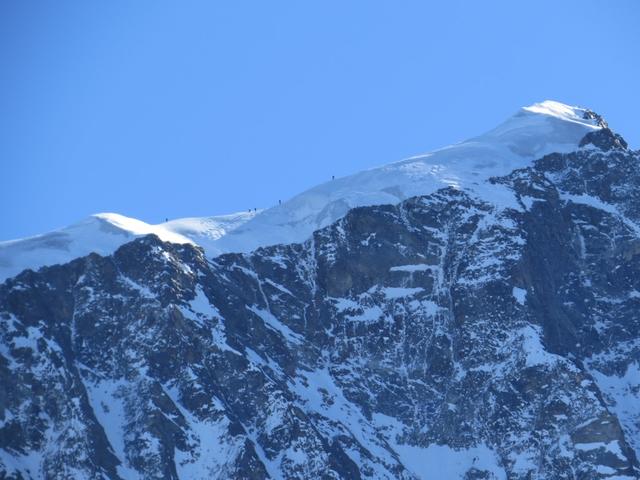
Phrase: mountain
(531, 133)
(103, 233)
(479, 321)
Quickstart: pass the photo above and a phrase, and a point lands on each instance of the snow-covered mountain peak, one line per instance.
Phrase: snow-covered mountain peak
(119, 224)
(562, 111)
(542, 128)
(103, 233)
(529, 134)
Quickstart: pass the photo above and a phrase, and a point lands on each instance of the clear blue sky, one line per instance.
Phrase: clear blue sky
(159, 109)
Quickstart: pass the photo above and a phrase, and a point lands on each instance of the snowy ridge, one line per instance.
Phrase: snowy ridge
(531, 133)
(103, 233)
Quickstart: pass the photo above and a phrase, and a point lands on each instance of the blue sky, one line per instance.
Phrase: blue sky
(158, 109)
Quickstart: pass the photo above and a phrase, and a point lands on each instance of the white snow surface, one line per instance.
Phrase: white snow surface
(520, 295)
(531, 133)
(103, 233)
(439, 461)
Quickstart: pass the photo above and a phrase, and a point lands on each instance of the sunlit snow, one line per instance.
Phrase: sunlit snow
(531, 133)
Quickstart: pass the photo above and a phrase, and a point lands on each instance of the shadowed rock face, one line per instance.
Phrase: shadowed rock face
(444, 334)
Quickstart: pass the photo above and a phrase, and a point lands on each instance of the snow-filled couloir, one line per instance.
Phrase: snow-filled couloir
(531, 133)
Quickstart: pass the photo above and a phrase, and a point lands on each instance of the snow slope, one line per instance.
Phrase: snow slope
(103, 233)
(530, 134)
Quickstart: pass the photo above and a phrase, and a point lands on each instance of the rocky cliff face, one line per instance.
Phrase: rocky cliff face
(449, 336)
